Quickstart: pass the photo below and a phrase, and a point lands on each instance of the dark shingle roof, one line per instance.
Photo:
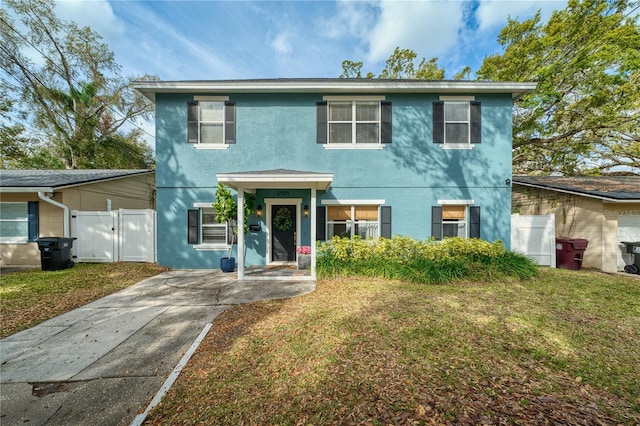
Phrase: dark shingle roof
(614, 188)
(60, 178)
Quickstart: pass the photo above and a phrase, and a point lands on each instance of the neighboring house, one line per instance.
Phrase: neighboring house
(603, 210)
(326, 157)
(37, 203)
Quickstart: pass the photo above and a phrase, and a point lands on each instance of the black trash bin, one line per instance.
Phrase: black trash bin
(55, 253)
(633, 248)
(570, 252)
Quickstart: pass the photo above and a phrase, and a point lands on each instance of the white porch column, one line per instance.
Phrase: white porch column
(313, 232)
(240, 233)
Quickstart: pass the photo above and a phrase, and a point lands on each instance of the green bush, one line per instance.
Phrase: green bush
(426, 261)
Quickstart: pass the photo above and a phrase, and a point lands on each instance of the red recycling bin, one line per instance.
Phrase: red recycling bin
(570, 252)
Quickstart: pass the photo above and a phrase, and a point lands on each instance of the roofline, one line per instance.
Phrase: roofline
(337, 85)
(15, 189)
(582, 194)
(321, 181)
(105, 179)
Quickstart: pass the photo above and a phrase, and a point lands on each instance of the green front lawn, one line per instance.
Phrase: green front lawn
(33, 296)
(560, 348)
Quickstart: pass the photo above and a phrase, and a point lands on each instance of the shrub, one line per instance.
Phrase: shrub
(426, 261)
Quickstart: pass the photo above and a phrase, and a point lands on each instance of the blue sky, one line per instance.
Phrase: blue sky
(211, 40)
(208, 40)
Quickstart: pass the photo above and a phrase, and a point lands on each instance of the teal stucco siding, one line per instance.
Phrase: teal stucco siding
(278, 131)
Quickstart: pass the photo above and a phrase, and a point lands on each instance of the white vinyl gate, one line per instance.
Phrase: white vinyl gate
(121, 235)
(535, 237)
(629, 231)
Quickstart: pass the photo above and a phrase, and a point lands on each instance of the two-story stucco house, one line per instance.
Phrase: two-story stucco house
(326, 157)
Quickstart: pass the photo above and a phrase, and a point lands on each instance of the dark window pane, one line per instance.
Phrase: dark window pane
(367, 111)
(340, 133)
(457, 133)
(367, 133)
(449, 230)
(456, 111)
(340, 111)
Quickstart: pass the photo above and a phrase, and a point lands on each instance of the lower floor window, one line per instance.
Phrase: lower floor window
(203, 229)
(18, 222)
(454, 222)
(212, 232)
(349, 221)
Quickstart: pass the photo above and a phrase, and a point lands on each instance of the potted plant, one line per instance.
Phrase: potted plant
(226, 210)
(304, 257)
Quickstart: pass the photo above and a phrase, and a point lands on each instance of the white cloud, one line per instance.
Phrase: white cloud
(428, 28)
(282, 44)
(96, 14)
(353, 18)
(494, 13)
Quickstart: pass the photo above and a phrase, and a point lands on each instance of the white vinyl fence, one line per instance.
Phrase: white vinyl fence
(112, 236)
(535, 237)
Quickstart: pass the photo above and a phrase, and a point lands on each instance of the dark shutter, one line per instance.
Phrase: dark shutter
(438, 122)
(321, 221)
(385, 221)
(476, 123)
(474, 222)
(321, 122)
(436, 222)
(192, 122)
(32, 221)
(229, 122)
(386, 131)
(193, 217)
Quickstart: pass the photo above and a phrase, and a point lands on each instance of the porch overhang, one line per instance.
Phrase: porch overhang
(274, 179)
(279, 178)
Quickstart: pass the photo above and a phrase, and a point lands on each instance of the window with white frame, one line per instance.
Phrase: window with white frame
(212, 232)
(454, 221)
(203, 230)
(457, 122)
(354, 122)
(455, 218)
(349, 221)
(211, 122)
(18, 222)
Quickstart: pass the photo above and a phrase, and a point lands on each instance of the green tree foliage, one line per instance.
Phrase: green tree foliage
(78, 107)
(226, 210)
(401, 64)
(584, 116)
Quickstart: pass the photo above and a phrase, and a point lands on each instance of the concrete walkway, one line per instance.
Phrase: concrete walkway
(102, 363)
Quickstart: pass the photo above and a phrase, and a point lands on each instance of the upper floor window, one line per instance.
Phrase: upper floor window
(211, 122)
(457, 123)
(360, 122)
(354, 122)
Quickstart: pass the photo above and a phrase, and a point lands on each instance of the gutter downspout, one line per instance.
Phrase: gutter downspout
(65, 213)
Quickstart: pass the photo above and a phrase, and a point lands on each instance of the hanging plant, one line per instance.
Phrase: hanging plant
(282, 220)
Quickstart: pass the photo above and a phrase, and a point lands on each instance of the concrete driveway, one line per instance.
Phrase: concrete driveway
(102, 363)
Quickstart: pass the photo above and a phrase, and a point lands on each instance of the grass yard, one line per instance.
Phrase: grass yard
(561, 348)
(33, 296)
